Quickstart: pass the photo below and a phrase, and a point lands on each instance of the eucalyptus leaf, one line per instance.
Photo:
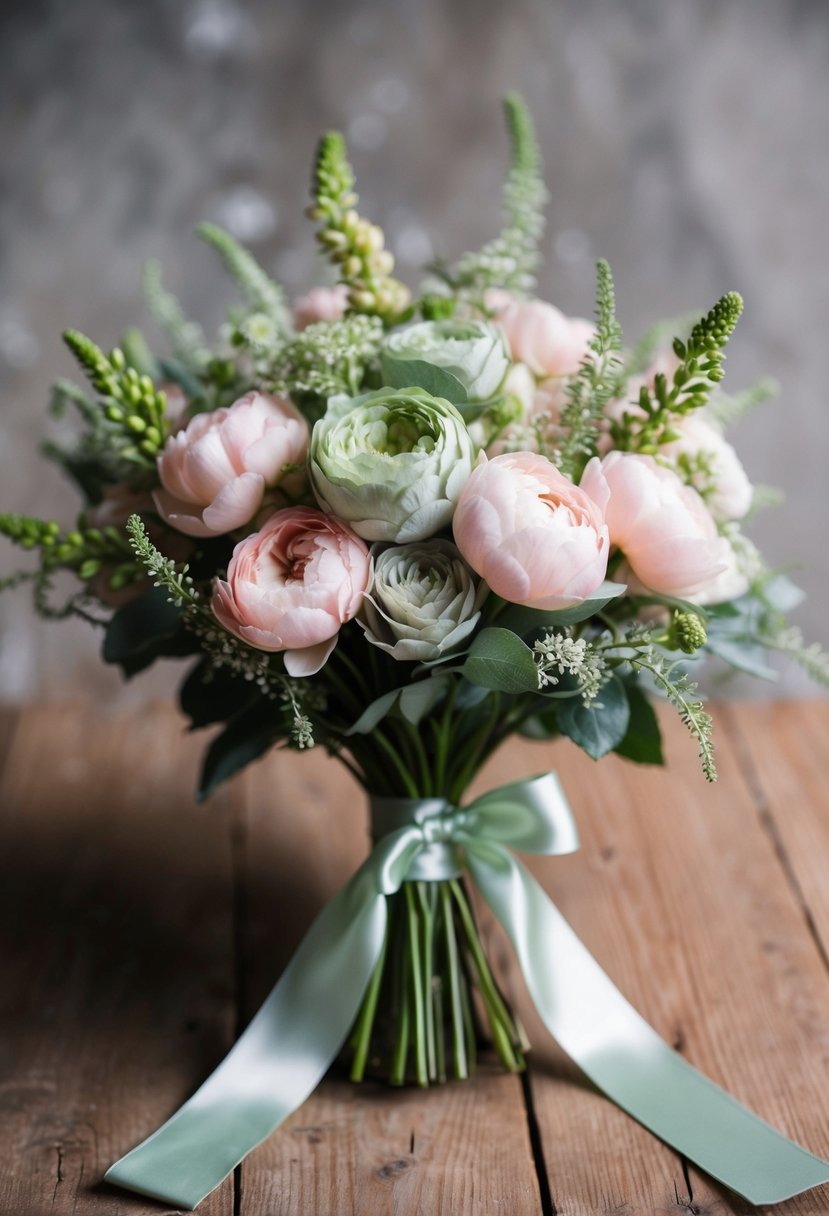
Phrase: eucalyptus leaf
(643, 738)
(248, 735)
(374, 713)
(404, 373)
(525, 621)
(499, 660)
(417, 699)
(144, 630)
(601, 726)
(743, 654)
(210, 694)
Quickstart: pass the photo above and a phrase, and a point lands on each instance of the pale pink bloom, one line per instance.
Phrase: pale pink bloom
(215, 473)
(729, 584)
(540, 335)
(291, 586)
(535, 538)
(715, 467)
(663, 527)
(321, 304)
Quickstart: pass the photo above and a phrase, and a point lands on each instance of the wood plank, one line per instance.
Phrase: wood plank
(682, 899)
(459, 1149)
(783, 750)
(117, 995)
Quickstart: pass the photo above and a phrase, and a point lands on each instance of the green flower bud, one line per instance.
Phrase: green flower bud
(687, 632)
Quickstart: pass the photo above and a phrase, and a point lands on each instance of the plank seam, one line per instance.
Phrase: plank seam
(548, 1207)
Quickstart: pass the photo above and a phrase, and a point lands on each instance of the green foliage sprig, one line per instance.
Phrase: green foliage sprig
(588, 393)
(700, 368)
(132, 408)
(511, 259)
(261, 294)
(186, 337)
(354, 244)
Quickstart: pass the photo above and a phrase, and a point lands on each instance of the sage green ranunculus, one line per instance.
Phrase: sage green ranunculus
(474, 352)
(391, 463)
(423, 602)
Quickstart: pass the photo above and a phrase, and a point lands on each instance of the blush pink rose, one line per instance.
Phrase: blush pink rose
(540, 335)
(662, 526)
(216, 471)
(535, 538)
(291, 586)
(321, 304)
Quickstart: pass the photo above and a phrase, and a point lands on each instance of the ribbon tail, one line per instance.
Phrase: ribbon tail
(278, 1061)
(624, 1056)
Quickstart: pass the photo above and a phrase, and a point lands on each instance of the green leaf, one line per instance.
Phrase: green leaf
(374, 713)
(210, 694)
(499, 660)
(144, 630)
(601, 726)
(643, 739)
(417, 699)
(247, 736)
(405, 373)
(524, 621)
(743, 654)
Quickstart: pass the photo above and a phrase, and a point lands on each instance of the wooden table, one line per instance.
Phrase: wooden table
(141, 931)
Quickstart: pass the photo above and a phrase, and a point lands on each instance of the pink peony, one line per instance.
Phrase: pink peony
(530, 533)
(292, 585)
(541, 336)
(215, 473)
(714, 467)
(321, 304)
(663, 527)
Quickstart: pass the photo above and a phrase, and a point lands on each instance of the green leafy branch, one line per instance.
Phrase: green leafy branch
(700, 368)
(511, 259)
(353, 244)
(595, 383)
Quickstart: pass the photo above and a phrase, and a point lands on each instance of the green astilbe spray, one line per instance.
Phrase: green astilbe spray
(264, 299)
(186, 337)
(354, 244)
(512, 258)
(595, 383)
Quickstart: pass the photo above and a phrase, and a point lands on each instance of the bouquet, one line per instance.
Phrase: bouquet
(402, 528)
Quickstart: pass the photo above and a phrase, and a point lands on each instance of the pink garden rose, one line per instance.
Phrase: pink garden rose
(535, 538)
(321, 304)
(662, 526)
(216, 472)
(540, 335)
(291, 586)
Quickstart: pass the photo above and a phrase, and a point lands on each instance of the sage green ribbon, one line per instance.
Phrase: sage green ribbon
(298, 1032)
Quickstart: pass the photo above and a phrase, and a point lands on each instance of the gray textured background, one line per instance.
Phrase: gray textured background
(685, 141)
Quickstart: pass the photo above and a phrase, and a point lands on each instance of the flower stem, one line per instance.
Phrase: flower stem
(459, 1053)
(416, 988)
(365, 1020)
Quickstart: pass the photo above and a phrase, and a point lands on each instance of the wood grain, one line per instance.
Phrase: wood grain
(140, 932)
(117, 994)
(682, 898)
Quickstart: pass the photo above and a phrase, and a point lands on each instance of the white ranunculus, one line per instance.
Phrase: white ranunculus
(424, 600)
(474, 352)
(391, 463)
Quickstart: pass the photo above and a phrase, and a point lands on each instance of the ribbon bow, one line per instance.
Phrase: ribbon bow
(296, 1035)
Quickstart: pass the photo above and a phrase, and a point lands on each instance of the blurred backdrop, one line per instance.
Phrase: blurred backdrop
(684, 140)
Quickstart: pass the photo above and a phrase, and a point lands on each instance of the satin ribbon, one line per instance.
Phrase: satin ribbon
(300, 1029)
